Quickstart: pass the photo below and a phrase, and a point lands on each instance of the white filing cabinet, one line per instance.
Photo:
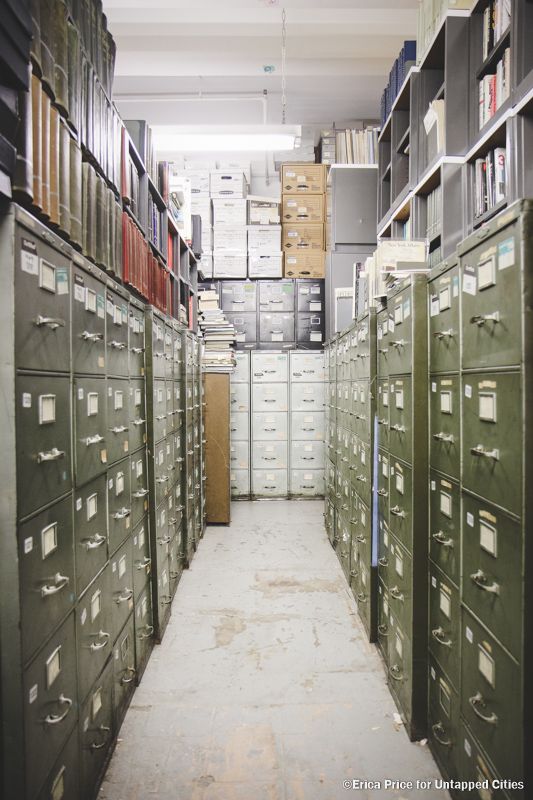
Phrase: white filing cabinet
(307, 423)
(240, 415)
(270, 424)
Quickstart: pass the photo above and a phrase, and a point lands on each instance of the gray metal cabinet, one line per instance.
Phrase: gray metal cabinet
(94, 631)
(238, 296)
(354, 205)
(88, 321)
(90, 531)
(91, 436)
(117, 338)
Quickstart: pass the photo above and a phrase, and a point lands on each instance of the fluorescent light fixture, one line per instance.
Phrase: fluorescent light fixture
(210, 139)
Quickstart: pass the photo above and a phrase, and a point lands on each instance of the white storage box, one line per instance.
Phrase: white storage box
(228, 184)
(236, 166)
(206, 265)
(200, 182)
(267, 265)
(229, 265)
(263, 211)
(207, 238)
(229, 212)
(229, 237)
(264, 239)
(202, 205)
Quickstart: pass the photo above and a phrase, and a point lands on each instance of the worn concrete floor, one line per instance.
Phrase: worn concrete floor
(264, 687)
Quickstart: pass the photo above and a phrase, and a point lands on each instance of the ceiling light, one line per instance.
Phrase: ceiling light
(259, 138)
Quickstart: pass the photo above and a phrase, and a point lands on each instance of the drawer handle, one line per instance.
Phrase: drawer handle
(99, 645)
(309, 458)
(308, 400)
(140, 493)
(361, 539)
(94, 541)
(270, 430)
(269, 401)
(128, 671)
(269, 458)
(362, 597)
(174, 574)
(139, 422)
(104, 729)
(307, 486)
(399, 343)
(96, 439)
(164, 540)
(161, 417)
(197, 486)
(383, 562)
(395, 592)
(122, 514)
(481, 319)
(190, 452)
(382, 629)
(480, 579)
(397, 512)
(353, 521)
(383, 350)
(444, 334)
(396, 672)
(53, 719)
(117, 345)
(437, 729)
(361, 478)
(439, 636)
(162, 479)
(269, 487)
(50, 455)
(354, 573)
(91, 337)
(345, 459)
(383, 493)
(308, 430)
(444, 437)
(149, 630)
(345, 507)
(480, 451)
(50, 322)
(398, 428)
(144, 564)
(441, 538)
(125, 595)
(119, 429)
(180, 460)
(478, 700)
(137, 350)
(60, 581)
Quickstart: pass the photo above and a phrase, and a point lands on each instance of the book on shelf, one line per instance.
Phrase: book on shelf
(490, 181)
(494, 89)
(356, 146)
(496, 20)
(218, 333)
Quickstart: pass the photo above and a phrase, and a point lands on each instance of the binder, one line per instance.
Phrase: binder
(64, 178)
(35, 50)
(45, 153)
(23, 178)
(47, 42)
(75, 194)
(60, 53)
(74, 77)
(37, 132)
(54, 165)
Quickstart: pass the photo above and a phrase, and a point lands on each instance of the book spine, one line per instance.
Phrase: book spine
(23, 178)
(75, 193)
(60, 53)
(64, 178)
(45, 153)
(54, 165)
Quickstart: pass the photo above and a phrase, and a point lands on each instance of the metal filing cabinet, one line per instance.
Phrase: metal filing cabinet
(240, 423)
(245, 324)
(239, 296)
(307, 423)
(270, 410)
(402, 494)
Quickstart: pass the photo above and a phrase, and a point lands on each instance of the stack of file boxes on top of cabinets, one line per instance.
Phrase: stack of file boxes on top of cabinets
(240, 427)
(480, 511)
(402, 495)
(303, 216)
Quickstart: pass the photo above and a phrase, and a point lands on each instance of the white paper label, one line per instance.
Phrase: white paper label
(488, 537)
(446, 402)
(33, 693)
(470, 519)
(469, 635)
(445, 603)
(469, 284)
(446, 504)
(486, 666)
(28, 545)
(26, 400)
(79, 293)
(468, 391)
(506, 256)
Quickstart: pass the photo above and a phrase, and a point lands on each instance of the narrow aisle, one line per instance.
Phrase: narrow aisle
(264, 687)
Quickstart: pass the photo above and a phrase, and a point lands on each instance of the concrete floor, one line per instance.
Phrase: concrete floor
(264, 687)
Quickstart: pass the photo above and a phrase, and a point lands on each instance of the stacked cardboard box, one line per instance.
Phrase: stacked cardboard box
(265, 258)
(303, 212)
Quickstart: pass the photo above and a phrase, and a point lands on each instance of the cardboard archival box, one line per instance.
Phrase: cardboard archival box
(309, 208)
(230, 265)
(303, 179)
(230, 237)
(229, 211)
(265, 239)
(305, 265)
(303, 237)
(268, 265)
(263, 211)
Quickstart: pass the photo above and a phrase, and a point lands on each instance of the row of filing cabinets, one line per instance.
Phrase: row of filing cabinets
(277, 314)
(350, 443)
(82, 558)
(277, 424)
(479, 515)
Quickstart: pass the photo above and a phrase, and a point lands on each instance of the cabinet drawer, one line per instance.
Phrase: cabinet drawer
(307, 397)
(443, 721)
(96, 732)
(124, 670)
(117, 339)
(136, 341)
(91, 434)
(270, 397)
(245, 324)
(401, 419)
(88, 324)
(142, 562)
(240, 482)
(400, 333)
(118, 419)
(63, 780)
(383, 413)
(240, 455)
(239, 397)
(445, 525)
(238, 296)
(94, 631)
(444, 322)
(269, 455)
(308, 483)
(137, 414)
(90, 531)
(401, 503)
(276, 328)
(444, 624)
(270, 427)
(139, 486)
(307, 455)
(269, 483)
(276, 295)
(400, 584)
(239, 426)
(119, 503)
(144, 627)
(308, 426)
(310, 295)
(242, 368)
(307, 367)
(161, 422)
(121, 586)
(445, 424)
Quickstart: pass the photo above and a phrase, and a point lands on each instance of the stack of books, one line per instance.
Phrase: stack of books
(218, 334)
(490, 184)
(357, 146)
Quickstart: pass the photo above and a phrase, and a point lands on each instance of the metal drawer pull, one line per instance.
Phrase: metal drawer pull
(162, 479)
(481, 319)
(383, 493)
(119, 429)
(395, 592)
(440, 728)
(382, 629)
(361, 539)
(399, 343)
(383, 562)
(104, 729)
(149, 630)
(161, 417)
(480, 451)
(269, 401)
(122, 514)
(139, 422)
(396, 672)
(190, 496)
(345, 507)
(137, 350)
(397, 512)
(398, 428)
(269, 487)
(174, 575)
(441, 538)
(444, 437)
(439, 636)
(131, 671)
(104, 637)
(480, 579)
(190, 452)
(307, 486)
(443, 334)
(478, 700)
(269, 458)
(52, 719)
(308, 430)
(164, 540)
(144, 564)
(354, 573)
(140, 493)
(117, 345)
(96, 439)
(383, 350)
(91, 337)
(95, 541)
(362, 597)
(308, 400)
(60, 581)
(309, 458)
(361, 478)
(50, 322)
(50, 455)
(180, 460)
(124, 596)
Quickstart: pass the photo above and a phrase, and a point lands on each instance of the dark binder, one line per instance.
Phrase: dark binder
(61, 56)
(75, 194)
(54, 165)
(37, 133)
(64, 178)
(23, 178)
(45, 153)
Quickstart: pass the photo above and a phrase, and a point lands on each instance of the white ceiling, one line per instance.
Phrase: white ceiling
(339, 53)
